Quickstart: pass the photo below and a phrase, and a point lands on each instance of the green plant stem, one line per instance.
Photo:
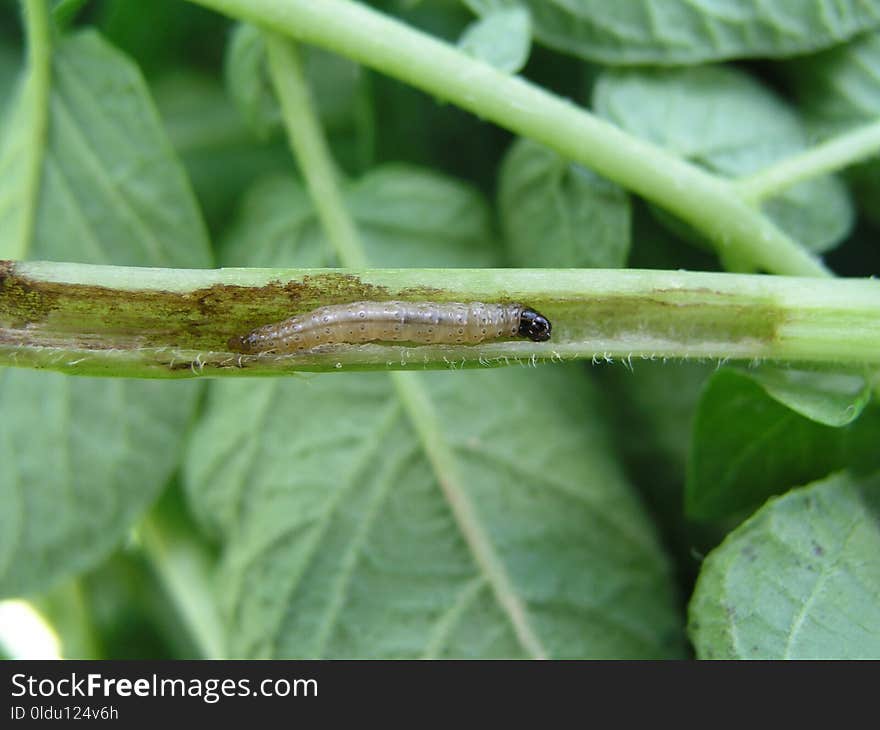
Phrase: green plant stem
(310, 147)
(830, 156)
(706, 201)
(37, 88)
(126, 321)
(184, 569)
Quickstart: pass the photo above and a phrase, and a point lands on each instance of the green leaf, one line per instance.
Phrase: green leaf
(248, 81)
(799, 580)
(727, 122)
(833, 399)
(558, 214)
(335, 83)
(406, 216)
(758, 434)
(501, 38)
(628, 32)
(111, 189)
(341, 538)
(840, 89)
(221, 157)
(82, 459)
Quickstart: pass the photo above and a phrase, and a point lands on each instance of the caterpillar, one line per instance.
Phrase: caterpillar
(424, 323)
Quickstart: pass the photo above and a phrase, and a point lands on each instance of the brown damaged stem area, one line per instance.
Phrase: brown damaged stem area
(87, 317)
(90, 329)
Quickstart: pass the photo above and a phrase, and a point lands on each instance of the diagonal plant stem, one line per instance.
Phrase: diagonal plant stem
(830, 156)
(308, 143)
(704, 200)
(37, 88)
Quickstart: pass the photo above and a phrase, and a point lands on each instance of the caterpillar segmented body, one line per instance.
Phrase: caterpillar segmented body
(424, 323)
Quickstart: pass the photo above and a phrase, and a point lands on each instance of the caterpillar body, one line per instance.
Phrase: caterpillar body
(425, 323)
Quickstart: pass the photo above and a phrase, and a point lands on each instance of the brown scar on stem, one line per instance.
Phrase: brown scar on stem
(22, 301)
(201, 319)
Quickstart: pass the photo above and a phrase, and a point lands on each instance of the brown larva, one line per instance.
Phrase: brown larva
(423, 323)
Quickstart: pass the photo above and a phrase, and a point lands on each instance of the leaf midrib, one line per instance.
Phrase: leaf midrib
(443, 462)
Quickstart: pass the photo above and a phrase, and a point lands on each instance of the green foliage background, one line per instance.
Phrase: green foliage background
(556, 511)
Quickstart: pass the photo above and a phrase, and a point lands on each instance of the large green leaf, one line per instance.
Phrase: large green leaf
(799, 580)
(559, 214)
(406, 216)
(756, 435)
(475, 514)
(82, 459)
(110, 188)
(626, 32)
(724, 120)
(341, 538)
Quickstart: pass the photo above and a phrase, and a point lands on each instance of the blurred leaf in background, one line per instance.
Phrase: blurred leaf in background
(673, 32)
(727, 122)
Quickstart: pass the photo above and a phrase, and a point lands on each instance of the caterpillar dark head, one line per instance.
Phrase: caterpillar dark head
(534, 326)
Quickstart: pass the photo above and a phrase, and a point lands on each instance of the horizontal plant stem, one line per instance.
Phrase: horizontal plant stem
(830, 156)
(125, 321)
(704, 200)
